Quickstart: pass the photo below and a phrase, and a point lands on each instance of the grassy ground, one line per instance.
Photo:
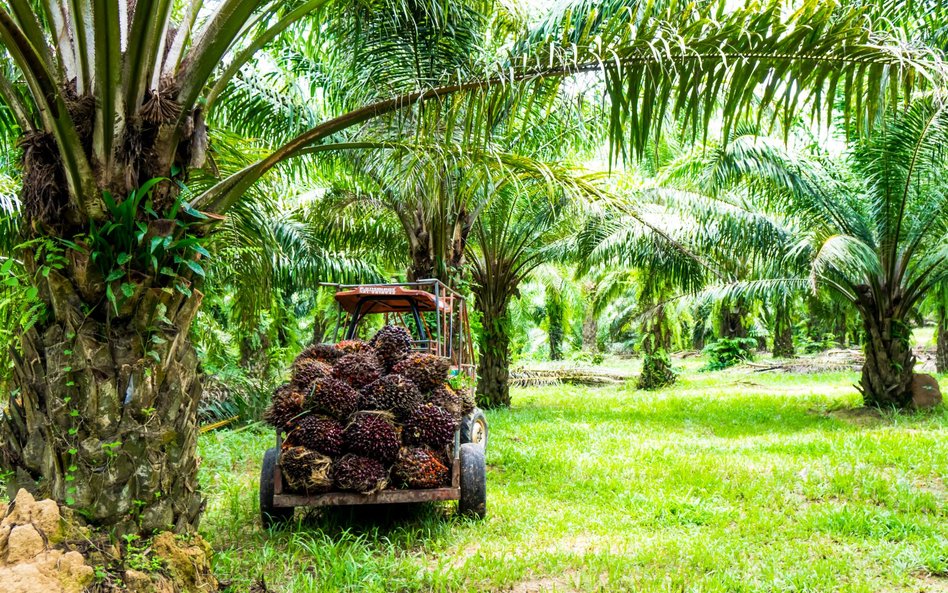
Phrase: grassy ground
(730, 481)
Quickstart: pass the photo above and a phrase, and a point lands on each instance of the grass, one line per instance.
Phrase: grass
(728, 481)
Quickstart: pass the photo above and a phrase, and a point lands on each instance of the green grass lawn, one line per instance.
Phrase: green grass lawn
(729, 481)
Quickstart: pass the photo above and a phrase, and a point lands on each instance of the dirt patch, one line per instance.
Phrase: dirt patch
(857, 416)
(930, 584)
(560, 584)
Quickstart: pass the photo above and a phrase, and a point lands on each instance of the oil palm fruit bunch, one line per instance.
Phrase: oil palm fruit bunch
(332, 397)
(445, 398)
(395, 393)
(360, 474)
(327, 353)
(358, 369)
(367, 400)
(417, 467)
(392, 343)
(468, 400)
(351, 346)
(307, 370)
(427, 371)
(372, 434)
(285, 407)
(306, 470)
(319, 433)
(430, 425)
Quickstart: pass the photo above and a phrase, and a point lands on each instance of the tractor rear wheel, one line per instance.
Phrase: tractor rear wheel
(269, 514)
(473, 501)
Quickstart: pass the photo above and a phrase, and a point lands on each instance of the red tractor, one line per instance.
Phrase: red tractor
(436, 317)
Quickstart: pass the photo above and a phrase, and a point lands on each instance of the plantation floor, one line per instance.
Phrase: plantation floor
(729, 481)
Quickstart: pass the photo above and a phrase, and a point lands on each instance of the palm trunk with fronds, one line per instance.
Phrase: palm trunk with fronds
(887, 373)
(731, 322)
(783, 331)
(554, 312)
(105, 414)
(656, 343)
(590, 331)
(493, 367)
(941, 347)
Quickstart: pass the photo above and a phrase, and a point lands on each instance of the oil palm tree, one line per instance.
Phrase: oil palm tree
(870, 229)
(523, 226)
(110, 101)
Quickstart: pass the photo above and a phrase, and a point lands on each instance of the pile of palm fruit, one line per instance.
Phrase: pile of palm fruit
(365, 416)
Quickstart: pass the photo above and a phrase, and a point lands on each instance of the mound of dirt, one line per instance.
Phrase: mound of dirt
(44, 549)
(28, 562)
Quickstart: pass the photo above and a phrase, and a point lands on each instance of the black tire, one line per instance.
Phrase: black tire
(473, 501)
(474, 429)
(270, 515)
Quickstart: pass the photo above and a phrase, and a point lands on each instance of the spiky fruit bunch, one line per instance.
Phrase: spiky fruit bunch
(306, 470)
(367, 400)
(468, 400)
(392, 343)
(358, 369)
(445, 398)
(319, 433)
(308, 370)
(417, 467)
(360, 474)
(333, 397)
(427, 371)
(286, 405)
(351, 346)
(395, 393)
(327, 353)
(429, 425)
(372, 434)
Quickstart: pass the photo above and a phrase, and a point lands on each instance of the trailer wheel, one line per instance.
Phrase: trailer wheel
(473, 501)
(474, 428)
(270, 515)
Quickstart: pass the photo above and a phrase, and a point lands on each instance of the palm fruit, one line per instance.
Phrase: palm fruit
(319, 433)
(445, 398)
(367, 400)
(395, 393)
(360, 474)
(332, 397)
(392, 343)
(358, 369)
(351, 346)
(468, 400)
(284, 408)
(429, 425)
(307, 370)
(306, 470)
(427, 371)
(372, 434)
(417, 467)
(327, 353)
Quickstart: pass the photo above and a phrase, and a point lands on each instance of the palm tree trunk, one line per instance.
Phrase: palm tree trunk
(783, 332)
(887, 373)
(656, 365)
(590, 331)
(554, 309)
(732, 322)
(941, 348)
(493, 368)
(104, 417)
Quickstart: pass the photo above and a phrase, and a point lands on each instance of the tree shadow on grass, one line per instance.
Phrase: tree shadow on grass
(403, 525)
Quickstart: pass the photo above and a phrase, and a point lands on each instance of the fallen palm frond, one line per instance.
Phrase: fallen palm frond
(524, 377)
